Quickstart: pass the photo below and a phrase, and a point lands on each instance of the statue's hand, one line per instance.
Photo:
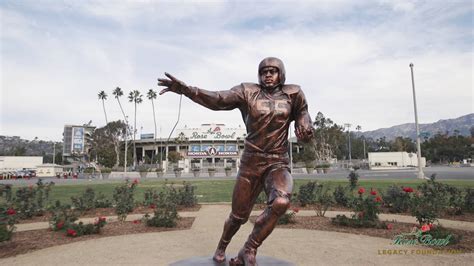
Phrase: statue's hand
(303, 134)
(172, 84)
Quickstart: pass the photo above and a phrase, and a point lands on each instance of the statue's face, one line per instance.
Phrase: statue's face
(270, 76)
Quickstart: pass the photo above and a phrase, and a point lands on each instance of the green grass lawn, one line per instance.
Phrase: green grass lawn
(221, 190)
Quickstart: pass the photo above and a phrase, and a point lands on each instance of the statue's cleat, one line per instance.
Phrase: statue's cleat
(247, 256)
(235, 262)
(219, 256)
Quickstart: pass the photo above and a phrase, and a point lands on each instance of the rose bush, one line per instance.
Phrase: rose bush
(8, 218)
(124, 199)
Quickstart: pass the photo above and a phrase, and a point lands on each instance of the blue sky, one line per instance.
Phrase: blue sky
(350, 57)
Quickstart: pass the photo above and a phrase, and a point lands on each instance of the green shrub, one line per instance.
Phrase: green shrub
(183, 196)
(8, 217)
(25, 202)
(307, 193)
(469, 200)
(6, 192)
(101, 201)
(367, 205)
(324, 200)
(84, 202)
(30, 201)
(150, 197)
(89, 200)
(353, 221)
(62, 216)
(436, 192)
(439, 232)
(424, 209)
(341, 196)
(123, 199)
(366, 209)
(353, 179)
(397, 199)
(80, 229)
(435, 198)
(165, 214)
(186, 195)
(262, 198)
(288, 217)
(455, 200)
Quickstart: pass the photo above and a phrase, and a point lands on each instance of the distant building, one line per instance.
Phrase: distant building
(12, 163)
(76, 141)
(210, 145)
(49, 169)
(394, 160)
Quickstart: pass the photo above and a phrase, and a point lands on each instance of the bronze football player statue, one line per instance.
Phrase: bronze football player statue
(267, 109)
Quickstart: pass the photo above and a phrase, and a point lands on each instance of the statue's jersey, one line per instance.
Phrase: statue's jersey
(267, 115)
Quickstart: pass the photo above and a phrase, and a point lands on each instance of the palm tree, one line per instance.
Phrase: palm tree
(118, 93)
(359, 128)
(135, 97)
(103, 96)
(151, 95)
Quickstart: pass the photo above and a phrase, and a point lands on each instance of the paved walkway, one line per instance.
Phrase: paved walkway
(302, 247)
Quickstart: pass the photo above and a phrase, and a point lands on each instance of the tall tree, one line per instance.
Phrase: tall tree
(103, 96)
(106, 143)
(151, 95)
(119, 93)
(136, 97)
(328, 138)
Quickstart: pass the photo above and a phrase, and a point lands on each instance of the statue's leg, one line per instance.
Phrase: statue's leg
(278, 185)
(246, 190)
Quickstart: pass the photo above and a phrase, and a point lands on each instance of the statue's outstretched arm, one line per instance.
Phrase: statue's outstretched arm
(215, 100)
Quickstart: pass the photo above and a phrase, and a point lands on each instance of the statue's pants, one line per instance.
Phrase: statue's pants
(258, 171)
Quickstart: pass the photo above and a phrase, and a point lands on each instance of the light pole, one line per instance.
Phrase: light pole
(291, 153)
(349, 136)
(126, 145)
(54, 151)
(363, 140)
(421, 175)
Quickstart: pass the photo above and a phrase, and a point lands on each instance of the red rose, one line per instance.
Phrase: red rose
(137, 221)
(378, 199)
(60, 225)
(11, 211)
(373, 192)
(135, 181)
(296, 210)
(361, 190)
(431, 226)
(71, 232)
(425, 228)
(389, 226)
(152, 206)
(408, 189)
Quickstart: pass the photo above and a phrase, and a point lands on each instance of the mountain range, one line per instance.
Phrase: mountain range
(463, 125)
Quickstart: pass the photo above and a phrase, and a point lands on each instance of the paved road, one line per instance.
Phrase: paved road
(443, 173)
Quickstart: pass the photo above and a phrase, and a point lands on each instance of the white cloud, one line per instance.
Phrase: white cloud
(351, 58)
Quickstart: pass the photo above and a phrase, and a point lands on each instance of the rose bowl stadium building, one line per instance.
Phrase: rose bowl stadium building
(210, 145)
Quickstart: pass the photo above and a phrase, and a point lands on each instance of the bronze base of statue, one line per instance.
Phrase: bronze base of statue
(208, 261)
